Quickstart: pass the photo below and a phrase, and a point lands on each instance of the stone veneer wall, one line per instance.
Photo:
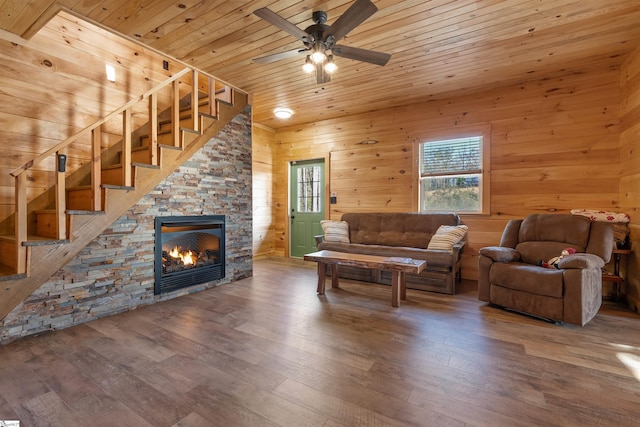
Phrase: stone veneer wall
(115, 272)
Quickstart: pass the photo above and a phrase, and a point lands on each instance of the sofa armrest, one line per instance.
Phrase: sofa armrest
(581, 261)
(458, 248)
(319, 239)
(500, 254)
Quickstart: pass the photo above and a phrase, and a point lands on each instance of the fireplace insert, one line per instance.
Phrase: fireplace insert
(189, 251)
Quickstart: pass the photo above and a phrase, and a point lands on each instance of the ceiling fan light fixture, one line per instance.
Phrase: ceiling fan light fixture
(308, 66)
(283, 113)
(318, 56)
(330, 66)
(319, 40)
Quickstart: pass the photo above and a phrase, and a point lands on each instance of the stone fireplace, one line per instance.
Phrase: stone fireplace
(189, 251)
(116, 272)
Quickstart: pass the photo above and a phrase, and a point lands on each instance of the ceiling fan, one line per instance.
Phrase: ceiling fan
(320, 38)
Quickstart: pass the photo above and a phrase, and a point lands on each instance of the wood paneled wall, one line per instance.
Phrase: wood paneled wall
(54, 85)
(554, 147)
(263, 214)
(630, 166)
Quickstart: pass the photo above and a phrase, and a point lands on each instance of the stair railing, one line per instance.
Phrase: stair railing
(21, 202)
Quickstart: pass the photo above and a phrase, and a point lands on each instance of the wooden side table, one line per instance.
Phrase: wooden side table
(615, 278)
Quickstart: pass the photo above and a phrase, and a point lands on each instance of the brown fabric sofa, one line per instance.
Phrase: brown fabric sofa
(509, 274)
(403, 234)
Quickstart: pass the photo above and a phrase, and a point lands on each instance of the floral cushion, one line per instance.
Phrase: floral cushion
(596, 215)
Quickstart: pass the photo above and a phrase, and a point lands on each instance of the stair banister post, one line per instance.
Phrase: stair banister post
(195, 101)
(213, 104)
(126, 148)
(60, 190)
(153, 128)
(175, 113)
(96, 169)
(21, 223)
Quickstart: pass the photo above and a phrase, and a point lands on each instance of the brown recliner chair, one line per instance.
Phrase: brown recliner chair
(510, 276)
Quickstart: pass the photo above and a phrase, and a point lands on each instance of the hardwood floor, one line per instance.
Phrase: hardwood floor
(268, 351)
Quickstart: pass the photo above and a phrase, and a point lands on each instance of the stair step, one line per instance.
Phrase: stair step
(6, 273)
(139, 154)
(143, 147)
(42, 241)
(193, 131)
(8, 251)
(164, 138)
(165, 125)
(145, 165)
(207, 120)
(169, 147)
(140, 165)
(47, 224)
(111, 167)
(112, 175)
(202, 102)
(118, 187)
(209, 116)
(79, 199)
(84, 212)
(34, 240)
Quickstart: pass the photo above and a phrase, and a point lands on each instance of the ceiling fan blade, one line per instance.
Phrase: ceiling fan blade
(354, 16)
(277, 20)
(364, 55)
(278, 56)
(321, 75)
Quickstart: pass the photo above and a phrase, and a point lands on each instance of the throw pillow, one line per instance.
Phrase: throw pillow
(446, 236)
(335, 231)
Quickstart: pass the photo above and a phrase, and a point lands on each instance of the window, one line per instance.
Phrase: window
(451, 175)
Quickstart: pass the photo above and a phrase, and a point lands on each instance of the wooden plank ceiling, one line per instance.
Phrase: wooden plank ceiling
(439, 48)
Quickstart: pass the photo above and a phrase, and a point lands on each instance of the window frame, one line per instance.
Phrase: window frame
(315, 186)
(485, 172)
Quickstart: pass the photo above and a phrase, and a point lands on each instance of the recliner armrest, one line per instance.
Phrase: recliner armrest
(581, 260)
(500, 254)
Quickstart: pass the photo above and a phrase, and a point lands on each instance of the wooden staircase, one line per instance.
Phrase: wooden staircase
(84, 202)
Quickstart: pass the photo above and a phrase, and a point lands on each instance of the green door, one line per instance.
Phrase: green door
(306, 205)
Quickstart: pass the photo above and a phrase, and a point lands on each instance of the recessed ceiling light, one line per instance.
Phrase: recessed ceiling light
(283, 113)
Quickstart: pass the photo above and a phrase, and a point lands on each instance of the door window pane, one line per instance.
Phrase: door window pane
(309, 189)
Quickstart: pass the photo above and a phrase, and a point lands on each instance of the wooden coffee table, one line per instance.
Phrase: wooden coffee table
(397, 266)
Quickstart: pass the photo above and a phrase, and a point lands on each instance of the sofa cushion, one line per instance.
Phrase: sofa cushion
(446, 236)
(405, 229)
(335, 231)
(534, 252)
(528, 278)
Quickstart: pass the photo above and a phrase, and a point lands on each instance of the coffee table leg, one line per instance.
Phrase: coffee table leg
(403, 285)
(334, 276)
(395, 288)
(322, 277)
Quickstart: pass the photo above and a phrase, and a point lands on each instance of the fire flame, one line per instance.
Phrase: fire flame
(187, 258)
